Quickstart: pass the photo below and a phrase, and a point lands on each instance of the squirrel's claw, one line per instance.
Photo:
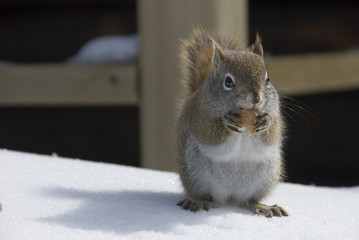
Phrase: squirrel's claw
(232, 122)
(269, 211)
(263, 121)
(195, 206)
(234, 129)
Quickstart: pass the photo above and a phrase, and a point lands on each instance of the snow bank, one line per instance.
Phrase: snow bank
(103, 50)
(108, 49)
(46, 197)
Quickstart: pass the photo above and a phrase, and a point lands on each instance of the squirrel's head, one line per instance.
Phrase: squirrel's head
(238, 79)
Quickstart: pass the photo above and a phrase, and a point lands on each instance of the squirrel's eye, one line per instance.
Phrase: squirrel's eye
(228, 83)
(267, 81)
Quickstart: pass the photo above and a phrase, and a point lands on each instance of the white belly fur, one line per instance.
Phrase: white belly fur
(238, 169)
(240, 147)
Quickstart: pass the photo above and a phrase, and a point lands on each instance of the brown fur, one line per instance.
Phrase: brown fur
(197, 55)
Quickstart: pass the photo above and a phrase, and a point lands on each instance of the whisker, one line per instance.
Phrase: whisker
(293, 119)
(297, 107)
(297, 114)
(303, 107)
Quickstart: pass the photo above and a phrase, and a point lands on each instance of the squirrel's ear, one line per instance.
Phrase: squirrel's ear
(218, 53)
(257, 46)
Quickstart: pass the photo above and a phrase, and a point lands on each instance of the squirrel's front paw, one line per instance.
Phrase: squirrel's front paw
(232, 123)
(263, 121)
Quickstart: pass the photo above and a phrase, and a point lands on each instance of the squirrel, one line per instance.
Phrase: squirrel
(219, 161)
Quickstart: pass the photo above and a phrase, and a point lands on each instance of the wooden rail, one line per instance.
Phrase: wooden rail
(61, 84)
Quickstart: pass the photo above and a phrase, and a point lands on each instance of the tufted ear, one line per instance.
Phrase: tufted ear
(257, 46)
(218, 57)
(218, 54)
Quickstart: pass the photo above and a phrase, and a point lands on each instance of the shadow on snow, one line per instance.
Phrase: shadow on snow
(127, 212)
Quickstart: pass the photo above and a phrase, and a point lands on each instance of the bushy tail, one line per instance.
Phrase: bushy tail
(196, 59)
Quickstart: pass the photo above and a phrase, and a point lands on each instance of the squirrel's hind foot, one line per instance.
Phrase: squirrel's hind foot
(269, 211)
(195, 206)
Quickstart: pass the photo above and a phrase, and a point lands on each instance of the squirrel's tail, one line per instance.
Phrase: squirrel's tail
(196, 59)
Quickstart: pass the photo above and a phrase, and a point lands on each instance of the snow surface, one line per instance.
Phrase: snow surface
(48, 197)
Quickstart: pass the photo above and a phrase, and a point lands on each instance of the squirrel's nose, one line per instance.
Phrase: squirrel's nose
(255, 98)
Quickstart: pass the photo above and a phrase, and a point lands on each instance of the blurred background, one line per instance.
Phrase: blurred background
(98, 80)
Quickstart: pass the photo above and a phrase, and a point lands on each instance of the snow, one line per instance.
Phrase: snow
(49, 197)
(105, 49)
(108, 49)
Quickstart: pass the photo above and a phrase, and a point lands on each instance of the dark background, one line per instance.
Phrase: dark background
(322, 146)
